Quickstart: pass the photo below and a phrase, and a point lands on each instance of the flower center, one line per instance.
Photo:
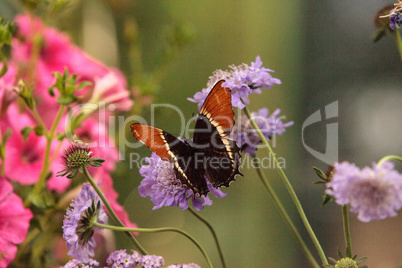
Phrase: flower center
(372, 192)
(29, 155)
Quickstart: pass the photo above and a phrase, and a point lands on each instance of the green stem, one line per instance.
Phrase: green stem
(398, 40)
(290, 190)
(49, 138)
(112, 213)
(211, 229)
(387, 158)
(157, 230)
(346, 230)
(288, 220)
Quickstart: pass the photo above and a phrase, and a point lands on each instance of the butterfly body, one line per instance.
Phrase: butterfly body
(210, 154)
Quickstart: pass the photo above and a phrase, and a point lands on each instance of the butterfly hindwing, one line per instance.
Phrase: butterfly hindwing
(171, 149)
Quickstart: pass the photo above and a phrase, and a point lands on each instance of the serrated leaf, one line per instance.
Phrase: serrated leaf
(25, 132)
(320, 173)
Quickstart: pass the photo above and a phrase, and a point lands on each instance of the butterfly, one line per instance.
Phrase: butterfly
(210, 154)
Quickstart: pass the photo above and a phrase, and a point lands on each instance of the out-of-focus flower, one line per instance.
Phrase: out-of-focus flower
(7, 84)
(74, 263)
(58, 53)
(111, 88)
(24, 158)
(242, 80)
(14, 222)
(121, 258)
(164, 189)
(246, 136)
(373, 193)
(152, 261)
(77, 224)
(95, 134)
(190, 265)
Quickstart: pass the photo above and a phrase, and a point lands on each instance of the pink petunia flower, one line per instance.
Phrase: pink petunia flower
(24, 159)
(57, 54)
(14, 222)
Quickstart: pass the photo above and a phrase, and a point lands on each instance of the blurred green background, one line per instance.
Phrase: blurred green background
(321, 50)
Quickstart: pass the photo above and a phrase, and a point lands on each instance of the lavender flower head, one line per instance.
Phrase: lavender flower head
(121, 258)
(152, 261)
(190, 265)
(74, 263)
(164, 189)
(77, 229)
(373, 193)
(242, 80)
(246, 136)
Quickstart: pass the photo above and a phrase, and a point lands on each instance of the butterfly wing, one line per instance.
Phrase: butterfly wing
(213, 125)
(169, 148)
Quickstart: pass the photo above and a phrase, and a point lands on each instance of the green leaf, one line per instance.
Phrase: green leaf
(4, 69)
(326, 199)
(25, 132)
(340, 256)
(320, 173)
(66, 100)
(6, 135)
(332, 259)
(319, 182)
(379, 34)
(362, 259)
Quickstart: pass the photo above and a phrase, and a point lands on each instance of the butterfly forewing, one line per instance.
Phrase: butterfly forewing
(213, 125)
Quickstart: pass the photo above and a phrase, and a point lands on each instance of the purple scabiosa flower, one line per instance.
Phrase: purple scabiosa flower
(270, 125)
(164, 189)
(121, 258)
(190, 265)
(395, 18)
(78, 224)
(242, 81)
(373, 193)
(74, 263)
(152, 261)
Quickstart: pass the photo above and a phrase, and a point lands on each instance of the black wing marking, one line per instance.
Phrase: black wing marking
(169, 148)
(213, 125)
